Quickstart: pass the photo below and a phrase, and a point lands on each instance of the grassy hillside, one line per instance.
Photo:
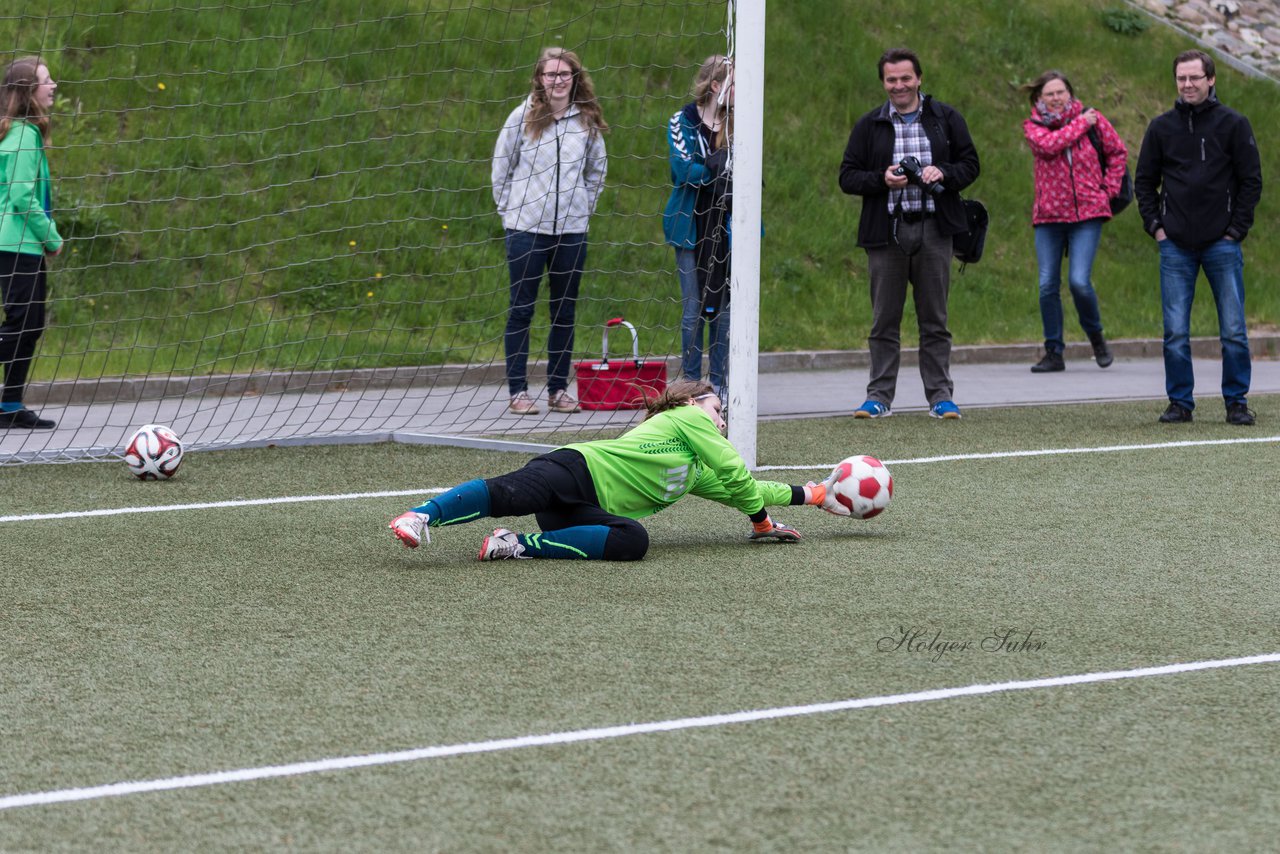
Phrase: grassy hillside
(976, 54)
(306, 184)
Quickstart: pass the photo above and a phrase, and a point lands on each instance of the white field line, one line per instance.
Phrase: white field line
(213, 505)
(192, 781)
(350, 496)
(1044, 452)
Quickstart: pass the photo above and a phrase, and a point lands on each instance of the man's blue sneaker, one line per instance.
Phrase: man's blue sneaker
(872, 409)
(945, 409)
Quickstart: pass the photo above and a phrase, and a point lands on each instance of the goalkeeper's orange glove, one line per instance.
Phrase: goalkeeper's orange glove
(767, 529)
(824, 495)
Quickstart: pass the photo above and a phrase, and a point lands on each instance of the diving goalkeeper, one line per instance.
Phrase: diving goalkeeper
(587, 496)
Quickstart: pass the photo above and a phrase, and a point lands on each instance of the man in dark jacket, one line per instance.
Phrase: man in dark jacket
(908, 220)
(1198, 180)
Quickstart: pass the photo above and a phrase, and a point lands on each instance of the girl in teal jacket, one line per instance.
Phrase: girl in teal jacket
(696, 163)
(587, 497)
(27, 231)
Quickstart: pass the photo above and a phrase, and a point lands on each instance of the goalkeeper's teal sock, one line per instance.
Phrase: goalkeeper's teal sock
(10, 407)
(466, 502)
(585, 542)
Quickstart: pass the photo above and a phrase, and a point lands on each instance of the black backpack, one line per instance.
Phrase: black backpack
(1120, 202)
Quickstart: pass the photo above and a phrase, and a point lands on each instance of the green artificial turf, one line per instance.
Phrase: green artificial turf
(151, 645)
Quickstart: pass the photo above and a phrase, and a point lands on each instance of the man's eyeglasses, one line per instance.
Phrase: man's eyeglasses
(1193, 78)
(557, 75)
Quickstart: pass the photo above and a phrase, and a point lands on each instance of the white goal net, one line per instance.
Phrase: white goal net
(280, 223)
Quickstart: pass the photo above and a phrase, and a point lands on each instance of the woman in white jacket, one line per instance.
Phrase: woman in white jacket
(548, 170)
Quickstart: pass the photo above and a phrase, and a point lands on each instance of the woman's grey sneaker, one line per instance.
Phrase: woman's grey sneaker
(562, 401)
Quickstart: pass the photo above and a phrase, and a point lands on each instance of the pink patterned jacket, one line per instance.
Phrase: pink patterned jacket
(1070, 186)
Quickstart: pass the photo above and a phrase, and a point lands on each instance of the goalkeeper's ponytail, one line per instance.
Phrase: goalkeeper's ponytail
(679, 393)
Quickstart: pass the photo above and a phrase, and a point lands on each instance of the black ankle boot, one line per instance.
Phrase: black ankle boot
(1101, 352)
(25, 419)
(1051, 363)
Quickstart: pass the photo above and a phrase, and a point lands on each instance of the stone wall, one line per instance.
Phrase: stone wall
(1247, 30)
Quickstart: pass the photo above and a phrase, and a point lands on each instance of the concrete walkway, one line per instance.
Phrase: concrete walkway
(819, 393)
(440, 405)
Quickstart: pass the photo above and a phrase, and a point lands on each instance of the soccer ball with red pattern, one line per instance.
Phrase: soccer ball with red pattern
(863, 485)
(153, 453)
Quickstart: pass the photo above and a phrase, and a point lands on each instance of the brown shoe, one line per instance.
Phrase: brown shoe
(522, 404)
(562, 401)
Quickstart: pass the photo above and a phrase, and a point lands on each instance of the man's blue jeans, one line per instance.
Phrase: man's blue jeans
(1080, 241)
(692, 322)
(562, 257)
(1223, 265)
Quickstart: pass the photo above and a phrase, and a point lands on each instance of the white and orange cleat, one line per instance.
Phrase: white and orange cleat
(502, 544)
(411, 529)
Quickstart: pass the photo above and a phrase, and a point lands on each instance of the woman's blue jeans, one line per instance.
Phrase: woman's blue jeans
(1080, 241)
(1223, 265)
(561, 257)
(692, 322)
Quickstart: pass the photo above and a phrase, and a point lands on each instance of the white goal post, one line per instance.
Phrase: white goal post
(748, 184)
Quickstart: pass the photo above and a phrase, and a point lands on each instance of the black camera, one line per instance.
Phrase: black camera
(911, 167)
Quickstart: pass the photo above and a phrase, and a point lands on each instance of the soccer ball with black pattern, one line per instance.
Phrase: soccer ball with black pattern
(153, 453)
(863, 485)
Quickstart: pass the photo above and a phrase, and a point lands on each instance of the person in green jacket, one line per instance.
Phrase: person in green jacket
(588, 496)
(27, 232)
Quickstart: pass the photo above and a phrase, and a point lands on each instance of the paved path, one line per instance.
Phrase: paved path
(791, 386)
(985, 385)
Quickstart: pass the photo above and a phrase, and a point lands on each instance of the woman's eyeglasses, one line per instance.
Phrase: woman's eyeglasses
(557, 76)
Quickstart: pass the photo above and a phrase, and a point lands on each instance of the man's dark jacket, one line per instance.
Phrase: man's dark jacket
(870, 152)
(1199, 176)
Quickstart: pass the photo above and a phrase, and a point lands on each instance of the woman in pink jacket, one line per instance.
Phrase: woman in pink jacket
(1072, 202)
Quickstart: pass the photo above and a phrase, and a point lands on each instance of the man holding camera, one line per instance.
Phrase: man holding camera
(908, 159)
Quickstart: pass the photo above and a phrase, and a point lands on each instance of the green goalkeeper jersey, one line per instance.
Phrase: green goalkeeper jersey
(674, 453)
